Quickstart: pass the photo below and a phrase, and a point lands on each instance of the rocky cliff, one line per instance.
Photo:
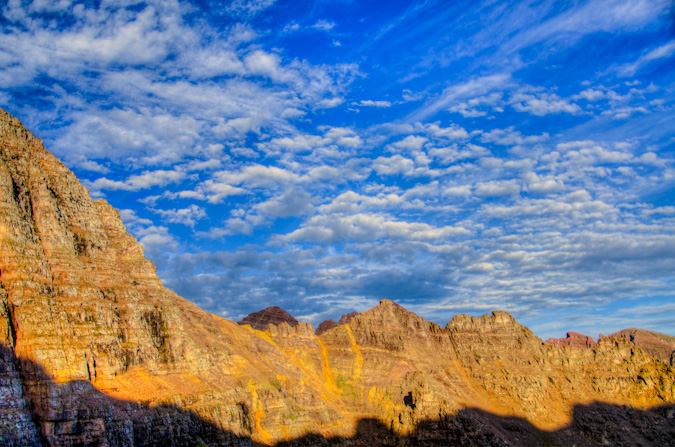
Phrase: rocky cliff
(95, 351)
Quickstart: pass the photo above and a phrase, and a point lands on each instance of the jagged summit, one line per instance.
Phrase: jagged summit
(263, 318)
(95, 351)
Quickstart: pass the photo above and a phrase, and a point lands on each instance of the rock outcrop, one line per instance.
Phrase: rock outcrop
(659, 345)
(272, 315)
(574, 339)
(95, 351)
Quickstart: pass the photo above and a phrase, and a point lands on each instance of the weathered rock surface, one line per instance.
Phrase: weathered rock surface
(272, 315)
(659, 345)
(574, 339)
(95, 351)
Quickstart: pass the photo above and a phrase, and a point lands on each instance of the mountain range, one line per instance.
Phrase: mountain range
(95, 351)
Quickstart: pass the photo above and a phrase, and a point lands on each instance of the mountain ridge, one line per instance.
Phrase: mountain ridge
(84, 319)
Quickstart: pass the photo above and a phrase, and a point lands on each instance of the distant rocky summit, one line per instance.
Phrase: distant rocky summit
(325, 326)
(574, 339)
(272, 315)
(94, 351)
(330, 324)
(659, 345)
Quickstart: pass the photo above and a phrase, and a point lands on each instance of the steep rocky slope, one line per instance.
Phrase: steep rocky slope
(95, 351)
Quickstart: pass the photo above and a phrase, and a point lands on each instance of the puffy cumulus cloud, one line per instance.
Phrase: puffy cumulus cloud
(146, 136)
(291, 203)
(394, 165)
(258, 176)
(351, 202)
(458, 191)
(450, 154)
(541, 184)
(497, 188)
(411, 143)
(452, 132)
(542, 104)
(210, 191)
(132, 221)
(186, 216)
(479, 106)
(512, 137)
(369, 227)
(335, 142)
(146, 180)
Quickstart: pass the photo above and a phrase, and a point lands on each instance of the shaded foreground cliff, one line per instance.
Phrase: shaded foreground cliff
(97, 352)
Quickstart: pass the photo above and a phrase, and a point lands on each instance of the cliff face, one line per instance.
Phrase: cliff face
(95, 351)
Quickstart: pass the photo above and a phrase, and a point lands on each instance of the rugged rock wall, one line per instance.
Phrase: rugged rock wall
(95, 351)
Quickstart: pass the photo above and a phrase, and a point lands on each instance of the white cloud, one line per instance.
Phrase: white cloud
(464, 190)
(186, 216)
(410, 143)
(511, 137)
(543, 104)
(497, 188)
(455, 94)
(291, 203)
(452, 132)
(663, 51)
(147, 179)
(324, 25)
(248, 8)
(393, 165)
(368, 227)
(371, 103)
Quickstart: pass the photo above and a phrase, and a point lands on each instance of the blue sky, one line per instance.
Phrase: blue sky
(456, 157)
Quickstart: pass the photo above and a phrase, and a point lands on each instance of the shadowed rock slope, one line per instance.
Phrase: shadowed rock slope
(97, 352)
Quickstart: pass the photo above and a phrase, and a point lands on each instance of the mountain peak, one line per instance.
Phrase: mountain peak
(271, 315)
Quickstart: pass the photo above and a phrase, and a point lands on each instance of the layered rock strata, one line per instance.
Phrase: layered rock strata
(95, 351)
